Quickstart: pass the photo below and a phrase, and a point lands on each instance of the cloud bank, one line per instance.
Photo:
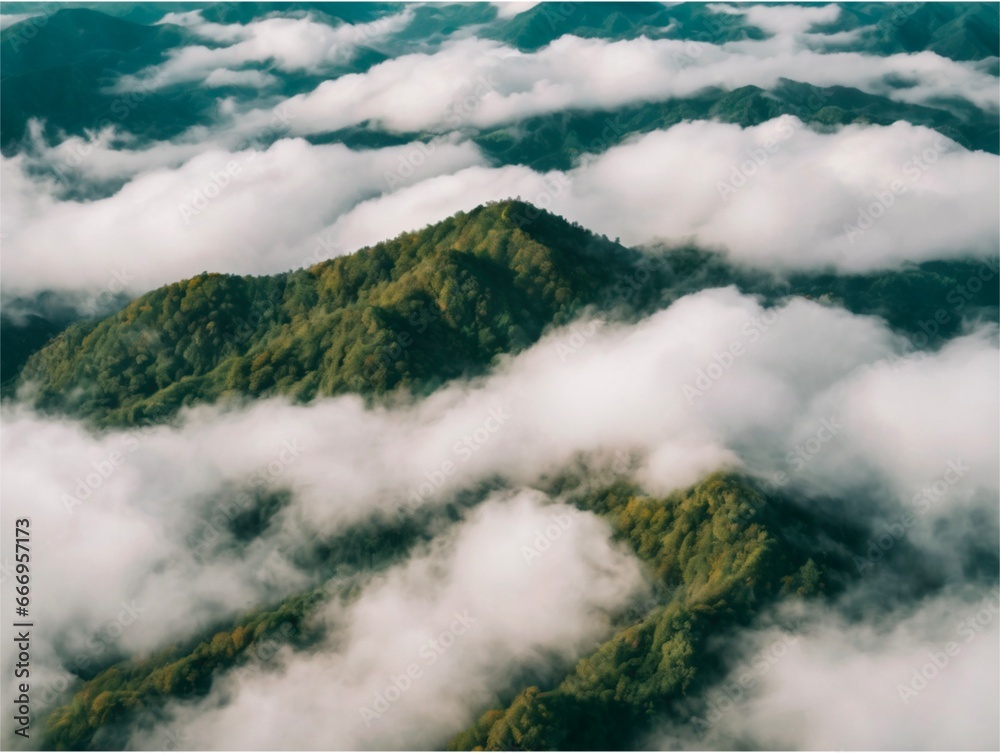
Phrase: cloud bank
(427, 645)
(778, 195)
(481, 83)
(288, 44)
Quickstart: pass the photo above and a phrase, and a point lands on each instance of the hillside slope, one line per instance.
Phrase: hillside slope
(407, 313)
(719, 552)
(426, 307)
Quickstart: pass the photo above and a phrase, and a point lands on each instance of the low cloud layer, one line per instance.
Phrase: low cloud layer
(133, 542)
(288, 44)
(244, 212)
(775, 194)
(813, 399)
(787, 20)
(778, 194)
(923, 680)
(431, 642)
(482, 83)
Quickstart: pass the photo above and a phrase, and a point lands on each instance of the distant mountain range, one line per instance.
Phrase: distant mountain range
(67, 75)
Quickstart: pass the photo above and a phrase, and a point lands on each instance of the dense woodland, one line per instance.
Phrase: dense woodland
(429, 306)
(716, 554)
(408, 313)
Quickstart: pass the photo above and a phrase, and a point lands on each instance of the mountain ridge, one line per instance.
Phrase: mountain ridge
(410, 312)
(413, 312)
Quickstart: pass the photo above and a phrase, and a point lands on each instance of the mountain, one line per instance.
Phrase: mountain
(541, 25)
(407, 313)
(22, 336)
(717, 553)
(960, 31)
(557, 141)
(116, 691)
(411, 313)
(62, 68)
(80, 36)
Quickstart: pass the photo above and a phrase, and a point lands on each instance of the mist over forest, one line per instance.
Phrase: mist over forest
(500, 376)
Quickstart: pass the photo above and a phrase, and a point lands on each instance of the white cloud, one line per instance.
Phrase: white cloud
(481, 83)
(250, 78)
(840, 684)
(115, 523)
(622, 389)
(9, 19)
(243, 212)
(511, 8)
(289, 44)
(462, 616)
(108, 155)
(775, 194)
(808, 398)
(783, 20)
(798, 366)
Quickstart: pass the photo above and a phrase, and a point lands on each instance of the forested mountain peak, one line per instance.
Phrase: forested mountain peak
(424, 307)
